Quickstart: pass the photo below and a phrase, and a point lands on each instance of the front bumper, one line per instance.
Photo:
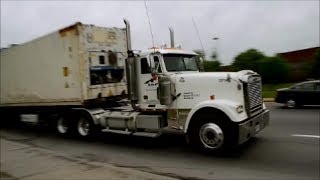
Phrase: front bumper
(252, 126)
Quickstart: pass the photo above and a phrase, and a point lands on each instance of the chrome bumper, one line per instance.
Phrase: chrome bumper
(253, 126)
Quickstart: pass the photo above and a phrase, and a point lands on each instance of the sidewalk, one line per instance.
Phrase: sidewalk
(21, 161)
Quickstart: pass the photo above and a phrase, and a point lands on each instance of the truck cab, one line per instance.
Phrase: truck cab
(214, 109)
(155, 64)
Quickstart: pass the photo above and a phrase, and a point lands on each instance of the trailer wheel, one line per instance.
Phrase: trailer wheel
(209, 133)
(63, 125)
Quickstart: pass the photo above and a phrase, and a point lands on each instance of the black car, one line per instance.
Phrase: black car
(304, 93)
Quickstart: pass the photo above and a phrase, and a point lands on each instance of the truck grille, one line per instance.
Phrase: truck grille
(254, 98)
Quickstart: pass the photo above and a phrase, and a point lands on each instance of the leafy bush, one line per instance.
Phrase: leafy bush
(273, 69)
(247, 60)
(211, 66)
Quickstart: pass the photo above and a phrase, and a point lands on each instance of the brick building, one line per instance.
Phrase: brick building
(298, 61)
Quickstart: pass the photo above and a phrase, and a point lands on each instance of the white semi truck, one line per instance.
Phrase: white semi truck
(85, 78)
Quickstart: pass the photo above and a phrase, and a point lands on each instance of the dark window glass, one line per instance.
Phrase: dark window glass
(106, 76)
(101, 60)
(308, 86)
(318, 86)
(180, 62)
(145, 68)
(157, 64)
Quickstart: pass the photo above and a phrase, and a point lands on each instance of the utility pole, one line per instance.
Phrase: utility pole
(215, 52)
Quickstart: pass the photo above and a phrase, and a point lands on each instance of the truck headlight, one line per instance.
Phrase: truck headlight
(240, 109)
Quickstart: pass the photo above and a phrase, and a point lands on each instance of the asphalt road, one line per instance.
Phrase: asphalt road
(287, 149)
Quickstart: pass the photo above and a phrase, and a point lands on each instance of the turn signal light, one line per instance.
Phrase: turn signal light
(240, 109)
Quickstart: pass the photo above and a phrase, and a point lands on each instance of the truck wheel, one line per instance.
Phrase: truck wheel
(62, 126)
(210, 135)
(84, 126)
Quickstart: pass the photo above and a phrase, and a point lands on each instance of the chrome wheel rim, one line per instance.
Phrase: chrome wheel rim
(62, 126)
(83, 127)
(291, 103)
(211, 136)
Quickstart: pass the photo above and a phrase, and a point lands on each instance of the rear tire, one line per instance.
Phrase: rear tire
(85, 127)
(62, 126)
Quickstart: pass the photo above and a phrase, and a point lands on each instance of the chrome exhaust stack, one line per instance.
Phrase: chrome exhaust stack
(171, 37)
(131, 69)
(128, 34)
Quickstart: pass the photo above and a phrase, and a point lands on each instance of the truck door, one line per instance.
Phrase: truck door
(148, 84)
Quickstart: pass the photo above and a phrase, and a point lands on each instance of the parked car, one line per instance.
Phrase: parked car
(304, 93)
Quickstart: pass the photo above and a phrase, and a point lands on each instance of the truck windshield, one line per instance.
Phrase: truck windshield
(180, 62)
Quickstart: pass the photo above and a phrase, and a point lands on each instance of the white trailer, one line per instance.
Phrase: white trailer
(65, 67)
(79, 77)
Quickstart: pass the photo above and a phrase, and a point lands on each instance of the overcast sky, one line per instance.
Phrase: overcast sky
(269, 26)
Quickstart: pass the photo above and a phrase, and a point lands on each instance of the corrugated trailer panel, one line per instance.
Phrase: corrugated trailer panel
(96, 43)
(43, 71)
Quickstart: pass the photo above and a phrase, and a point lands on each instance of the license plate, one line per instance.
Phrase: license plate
(257, 127)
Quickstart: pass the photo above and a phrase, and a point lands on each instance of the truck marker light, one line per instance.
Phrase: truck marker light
(110, 93)
(212, 97)
(239, 109)
(154, 77)
(65, 71)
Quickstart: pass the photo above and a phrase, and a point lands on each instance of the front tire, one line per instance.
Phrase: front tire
(211, 136)
(210, 133)
(292, 103)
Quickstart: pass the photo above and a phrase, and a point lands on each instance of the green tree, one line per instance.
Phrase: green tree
(247, 60)
(199, 59)
(273, 69)
(211, 66)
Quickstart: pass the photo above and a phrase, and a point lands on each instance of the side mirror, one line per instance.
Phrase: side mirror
(152, 67)
(154, 73)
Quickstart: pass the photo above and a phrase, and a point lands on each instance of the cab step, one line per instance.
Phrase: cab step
(146, 134)
(117, 131)
(142, 134)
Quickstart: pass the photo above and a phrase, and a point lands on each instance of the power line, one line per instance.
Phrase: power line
(198, 35)
(145, 4)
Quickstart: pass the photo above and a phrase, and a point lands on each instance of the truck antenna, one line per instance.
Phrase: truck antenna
(198, 36)
(145, 4)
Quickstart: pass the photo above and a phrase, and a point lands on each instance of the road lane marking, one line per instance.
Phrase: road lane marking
(305, 135)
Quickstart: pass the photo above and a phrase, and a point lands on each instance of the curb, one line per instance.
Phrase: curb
(268, 99)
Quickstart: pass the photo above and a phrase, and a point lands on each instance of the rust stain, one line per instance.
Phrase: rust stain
(35, 98)
(65, 71)
(63, 32)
